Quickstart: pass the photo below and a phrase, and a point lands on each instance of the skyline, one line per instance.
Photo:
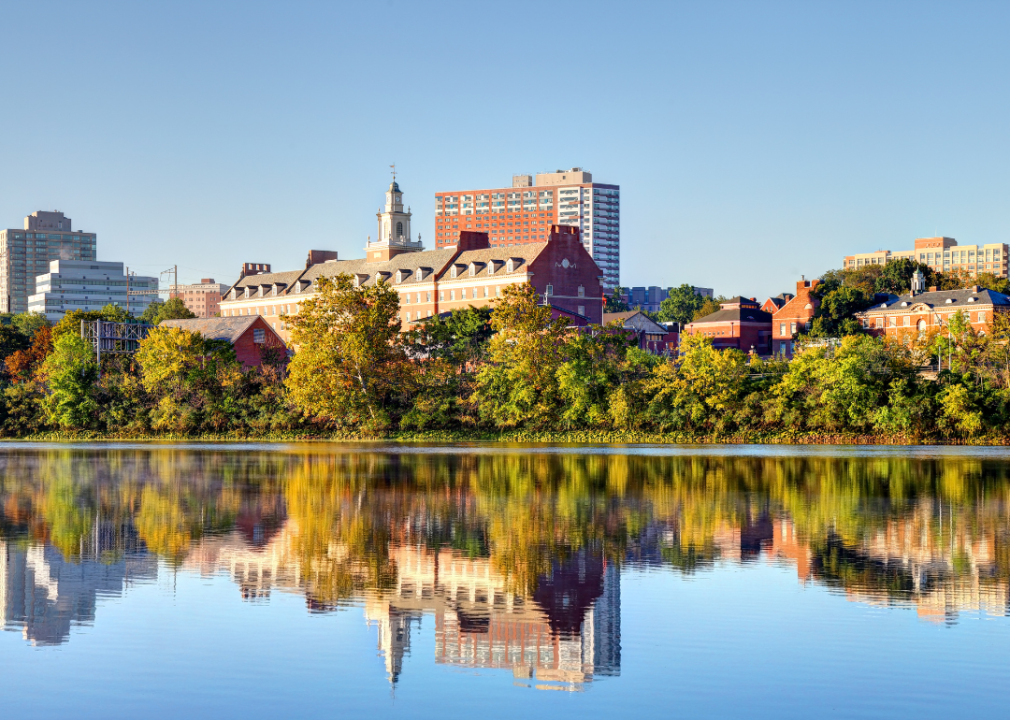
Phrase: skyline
(810, 132)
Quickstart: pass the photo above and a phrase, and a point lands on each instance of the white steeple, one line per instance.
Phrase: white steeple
(393, 222)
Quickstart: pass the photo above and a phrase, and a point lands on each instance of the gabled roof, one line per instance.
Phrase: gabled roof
(223, 328)
(433, 260)
(286, 278)
(635, 320)
(526, 254)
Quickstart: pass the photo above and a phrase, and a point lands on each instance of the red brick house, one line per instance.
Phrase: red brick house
(250, 335)
(773, 304)
(740, 323)
(795, 315)
(918, 312)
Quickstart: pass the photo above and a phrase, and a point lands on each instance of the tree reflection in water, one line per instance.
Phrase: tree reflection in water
(516, 554)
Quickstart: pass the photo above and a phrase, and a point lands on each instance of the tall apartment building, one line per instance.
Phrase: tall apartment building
(76, 285)
(26, 253)
(203, 299)
(525, 212)
(943, 254)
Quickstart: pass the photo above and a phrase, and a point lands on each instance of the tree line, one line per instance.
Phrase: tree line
(515, 368)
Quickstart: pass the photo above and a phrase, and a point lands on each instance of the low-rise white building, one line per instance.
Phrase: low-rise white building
(89, 285)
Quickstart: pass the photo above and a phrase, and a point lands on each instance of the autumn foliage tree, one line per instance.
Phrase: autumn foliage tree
(350, 369)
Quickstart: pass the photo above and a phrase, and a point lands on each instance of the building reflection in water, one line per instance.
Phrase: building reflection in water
(43, 594)
(565, 634)
(536, 591)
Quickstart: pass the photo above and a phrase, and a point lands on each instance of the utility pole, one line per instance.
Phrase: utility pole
(127, 290)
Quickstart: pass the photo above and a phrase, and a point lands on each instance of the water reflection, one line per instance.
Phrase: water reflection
(516, 557)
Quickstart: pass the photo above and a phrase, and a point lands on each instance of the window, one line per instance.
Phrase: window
(550, 289)
(485, 291)
(452, 294)
(582, 291)
(582, 309)
(399, 229)
(782, 329)
(880, 323)
(441, 294)
(981, 317)
(892, 321)
(259, 336)
(908, 321)
(792, 328)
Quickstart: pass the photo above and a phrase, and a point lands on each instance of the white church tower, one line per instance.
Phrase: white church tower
(394, 228)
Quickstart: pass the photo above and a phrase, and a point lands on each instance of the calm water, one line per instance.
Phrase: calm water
(339, 581)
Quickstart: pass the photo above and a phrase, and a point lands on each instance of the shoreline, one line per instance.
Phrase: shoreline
(531, 436)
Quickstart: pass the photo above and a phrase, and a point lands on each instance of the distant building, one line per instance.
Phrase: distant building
(524, 213)
(79, 285)
(793, 316)
(652, 336)
(251, 336)
(203, 299)
(740, 323)
(26, 253)
(651, 298)
(942, 254)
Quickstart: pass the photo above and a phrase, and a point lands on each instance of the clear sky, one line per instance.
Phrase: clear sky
(753, 142)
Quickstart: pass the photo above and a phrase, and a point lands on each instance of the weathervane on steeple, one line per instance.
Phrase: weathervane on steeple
(393, 166)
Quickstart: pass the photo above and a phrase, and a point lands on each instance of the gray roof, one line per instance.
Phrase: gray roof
(959, 299)
(523, 254)
(740, 315)
(430, 261)
(254, 282)
(635, 320)
(223, 328)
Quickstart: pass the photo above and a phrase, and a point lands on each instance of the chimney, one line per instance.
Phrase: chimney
(932, 288)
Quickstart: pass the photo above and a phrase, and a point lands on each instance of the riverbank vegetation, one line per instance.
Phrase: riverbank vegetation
(511, 373)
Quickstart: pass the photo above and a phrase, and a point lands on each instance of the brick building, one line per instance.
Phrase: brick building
(471, 273)
(795, 315)
(467, 272)
(740, 323)
(524, 213)
(918, 312)
(250, 336)
(203, 299)
(774, 304)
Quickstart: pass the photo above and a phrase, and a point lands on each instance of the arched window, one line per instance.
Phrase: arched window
(922, 326)
(399, 229)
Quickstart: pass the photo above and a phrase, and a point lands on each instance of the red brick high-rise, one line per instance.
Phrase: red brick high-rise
(525, 212)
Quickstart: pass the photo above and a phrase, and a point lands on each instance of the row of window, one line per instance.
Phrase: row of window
(906, 320)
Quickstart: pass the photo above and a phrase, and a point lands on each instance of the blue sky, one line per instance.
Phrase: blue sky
(753, 142)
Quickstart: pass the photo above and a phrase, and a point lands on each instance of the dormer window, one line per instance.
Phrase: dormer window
(245, 292)
(400, 275)
(273, 289)
(971, 299)
(490, 267)
(510, 266)
(949, 300)
(473, 269)
(904, 304)
(418, 275)
(452, 272)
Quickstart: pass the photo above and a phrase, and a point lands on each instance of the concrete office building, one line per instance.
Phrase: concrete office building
(75, 285)
(524, 213)
(203, 299)
(942, 254)
(25, 253)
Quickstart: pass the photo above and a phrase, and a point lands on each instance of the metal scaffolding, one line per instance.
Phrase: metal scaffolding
(117, 338)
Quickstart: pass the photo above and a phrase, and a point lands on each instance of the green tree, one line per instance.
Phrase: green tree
(29, 323)
(896, 276)
(615, 302)
(70, 372)
(680, 305)
(709, 306)
(518, 386)
(350, 367)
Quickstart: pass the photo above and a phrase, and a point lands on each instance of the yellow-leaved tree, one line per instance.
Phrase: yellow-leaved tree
(350, 369)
